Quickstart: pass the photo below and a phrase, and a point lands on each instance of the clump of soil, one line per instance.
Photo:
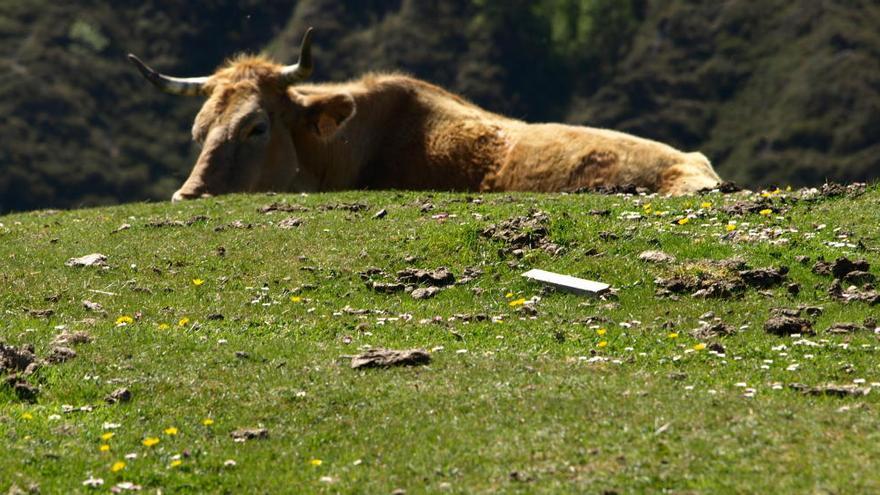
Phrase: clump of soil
(352, 207)
(284, 207)
(834, 189)
(524, 232)
(713, 330)
(439, 278)
(244, 434)
(840, 268)
(628, 188)
(383, 358)
(832, 390)
(720, 279)
(785, 323)
(119, 395)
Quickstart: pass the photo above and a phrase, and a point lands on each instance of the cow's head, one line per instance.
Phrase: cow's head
(247, 126)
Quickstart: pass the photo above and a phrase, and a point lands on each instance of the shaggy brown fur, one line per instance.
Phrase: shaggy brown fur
(390, 131)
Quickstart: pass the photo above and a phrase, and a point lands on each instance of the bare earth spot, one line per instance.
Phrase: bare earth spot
(388, 357)
(656, 257)
(119, 395)
(832, 390)
(244, 434)
(786, 325)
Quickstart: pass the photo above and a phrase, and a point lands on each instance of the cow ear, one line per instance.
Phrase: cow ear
(327, 114)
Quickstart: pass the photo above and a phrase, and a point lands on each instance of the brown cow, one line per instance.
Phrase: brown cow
(261, 130)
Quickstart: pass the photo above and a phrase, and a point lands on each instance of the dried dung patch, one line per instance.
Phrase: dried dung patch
(244, 434)
(523, 232)
(439, 277)
(832, 390)
(383, 358)
(283, 207)
(784, 325)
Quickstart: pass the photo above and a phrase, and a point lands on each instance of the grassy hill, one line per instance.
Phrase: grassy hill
(243, 312)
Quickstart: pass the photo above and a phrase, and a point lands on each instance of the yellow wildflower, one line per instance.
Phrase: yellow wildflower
(107, 436)
(150, 441)
(207, 421)
(104, 448)
(295, 299)
(765, 211)
(175, 463)
(517, 302)
(705, 204)
(27, 415)
(700, 346)
(682, 221)
(730, 227)
(601, 331)
(602, 343)
(197, 282)
(316, 462)
(508, 295)
(183, 321)
(171, 431)
(788, 188)
(117, 466)
(164, 326)
(124, 320)
(672, 335)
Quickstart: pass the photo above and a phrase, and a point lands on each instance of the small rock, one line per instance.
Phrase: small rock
(95, 259)
(656, 257)
(119, 395)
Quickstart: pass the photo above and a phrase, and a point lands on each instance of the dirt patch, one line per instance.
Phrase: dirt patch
(440, 277)
(119, 395)
(425, 292)
(23, 390)
(352, 207)
(60, 354)
(840, 268)
(713, 330)
(656, 257)
(867, 294)
(289, 223)
(844, 328)
(834, 189)
(719, 279)
(764, 278)
(245, 434)
(629, 188)
(283, 207)
(383, 358)
(831, 390)
(16, 360)
(524, 232)
(785, 324)
(67, 338)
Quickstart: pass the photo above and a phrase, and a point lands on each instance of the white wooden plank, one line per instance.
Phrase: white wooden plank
(567, 282)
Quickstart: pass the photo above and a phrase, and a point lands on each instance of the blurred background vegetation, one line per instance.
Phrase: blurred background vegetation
(781, 92)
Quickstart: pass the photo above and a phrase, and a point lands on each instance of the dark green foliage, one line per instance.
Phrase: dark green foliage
(773, 92)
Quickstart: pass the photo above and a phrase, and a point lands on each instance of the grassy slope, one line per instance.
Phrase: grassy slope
(518, 400)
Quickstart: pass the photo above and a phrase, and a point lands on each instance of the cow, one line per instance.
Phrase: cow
(263, 129)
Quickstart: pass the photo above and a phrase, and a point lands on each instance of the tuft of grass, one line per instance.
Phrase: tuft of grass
(522, 404)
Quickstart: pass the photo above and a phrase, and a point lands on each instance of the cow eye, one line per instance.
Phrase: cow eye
(258, 130)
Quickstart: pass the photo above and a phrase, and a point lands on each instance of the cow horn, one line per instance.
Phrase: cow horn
(301, 70)
(186, 86)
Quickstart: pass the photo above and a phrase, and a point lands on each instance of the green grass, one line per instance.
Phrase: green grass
(520, 396)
